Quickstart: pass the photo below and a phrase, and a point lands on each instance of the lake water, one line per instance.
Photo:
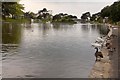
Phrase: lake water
(49, 50)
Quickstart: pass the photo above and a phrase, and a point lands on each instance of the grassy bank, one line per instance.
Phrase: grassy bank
(15, 20)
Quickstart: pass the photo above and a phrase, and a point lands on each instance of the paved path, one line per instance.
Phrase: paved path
(118, 52)
(114, 55)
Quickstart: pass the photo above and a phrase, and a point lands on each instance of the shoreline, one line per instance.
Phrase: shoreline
(108, 66)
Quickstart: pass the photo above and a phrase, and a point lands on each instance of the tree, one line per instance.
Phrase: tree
(57, 17)
(115, 11)
(29, 15)
(95, 17)
(64, 18)
(86, 16)
(12, 9)
(44, 15)
(105, 12)
(112, 12)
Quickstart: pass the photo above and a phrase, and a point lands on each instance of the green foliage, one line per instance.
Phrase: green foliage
(115, 11)
(44, 15)
(110, 14)
(64, 18)
(85, 16)
(95, 17)
(11, 9)
(15, 20)
(105, 12)
(29, 15)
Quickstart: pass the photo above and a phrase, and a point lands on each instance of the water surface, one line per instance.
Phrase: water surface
(49, 50)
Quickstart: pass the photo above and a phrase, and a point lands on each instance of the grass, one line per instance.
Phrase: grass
(15, 20)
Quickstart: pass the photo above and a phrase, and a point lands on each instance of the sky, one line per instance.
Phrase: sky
(73, 7)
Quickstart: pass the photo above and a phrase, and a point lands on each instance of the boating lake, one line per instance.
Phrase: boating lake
(49, 50)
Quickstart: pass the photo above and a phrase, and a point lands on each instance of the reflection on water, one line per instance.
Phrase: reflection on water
(50, 50)
(103, 30)
(45, 28)
(85, 28)
(11, 33)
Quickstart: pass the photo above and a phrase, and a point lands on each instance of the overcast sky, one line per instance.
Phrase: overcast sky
(74, 7)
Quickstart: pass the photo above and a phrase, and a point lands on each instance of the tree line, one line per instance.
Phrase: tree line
(109, 14)
(11, 9)
(14, 10)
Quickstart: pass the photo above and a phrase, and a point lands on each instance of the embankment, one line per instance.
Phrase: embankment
(108, 66)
